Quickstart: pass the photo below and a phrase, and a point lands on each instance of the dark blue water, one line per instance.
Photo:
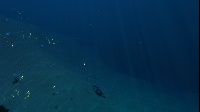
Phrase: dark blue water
(156, 40)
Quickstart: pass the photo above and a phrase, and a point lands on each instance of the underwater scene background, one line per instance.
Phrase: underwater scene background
(99, 55)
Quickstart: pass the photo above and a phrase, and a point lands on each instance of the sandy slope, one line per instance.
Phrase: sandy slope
(55, 78)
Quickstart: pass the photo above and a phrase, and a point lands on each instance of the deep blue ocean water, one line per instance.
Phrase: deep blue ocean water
(155, 36)
(155, 40)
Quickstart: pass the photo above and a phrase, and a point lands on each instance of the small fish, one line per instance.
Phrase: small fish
(16, 78)
(98, 91)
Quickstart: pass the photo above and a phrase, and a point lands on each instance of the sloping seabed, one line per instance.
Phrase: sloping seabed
(42, 71)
